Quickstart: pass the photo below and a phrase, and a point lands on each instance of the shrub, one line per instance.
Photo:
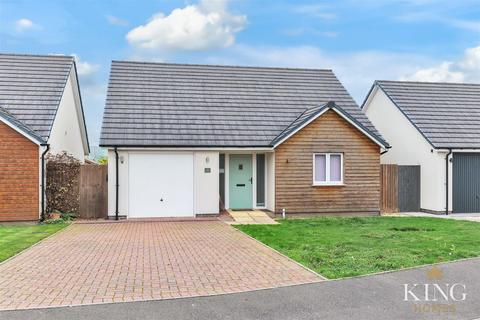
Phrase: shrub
(68, 216)
(54, 221)
(102, 160)
(62, 184)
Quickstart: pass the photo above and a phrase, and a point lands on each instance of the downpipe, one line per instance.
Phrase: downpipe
(116, 183)
(42, 216)
(446, 181)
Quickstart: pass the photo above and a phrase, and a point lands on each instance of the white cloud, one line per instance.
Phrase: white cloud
(116, 21)
(440, 73)
(471, 60)
(430, 16)
(294, 32)
(85, 68)
(23, 24)
(330, 34)
(203, 26)
(466, 69)
(316, 10)
(465, 24)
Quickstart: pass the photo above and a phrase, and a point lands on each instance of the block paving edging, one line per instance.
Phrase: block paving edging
(322, 277)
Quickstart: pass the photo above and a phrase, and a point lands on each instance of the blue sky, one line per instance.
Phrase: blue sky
(361, 41)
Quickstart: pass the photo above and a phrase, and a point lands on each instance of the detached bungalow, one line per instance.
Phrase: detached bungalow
(40, 111)
(185, 139)
(436, 126)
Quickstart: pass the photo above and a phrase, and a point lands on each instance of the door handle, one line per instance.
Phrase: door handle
(251, 180)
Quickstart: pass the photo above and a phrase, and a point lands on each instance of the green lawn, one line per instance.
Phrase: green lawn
(15, 238)
(343, 247)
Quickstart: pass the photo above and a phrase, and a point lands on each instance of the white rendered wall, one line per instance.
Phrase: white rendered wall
(409, 147)
(66, 134)
(206, 184)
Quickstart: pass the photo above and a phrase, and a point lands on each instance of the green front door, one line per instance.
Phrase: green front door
(240, 176)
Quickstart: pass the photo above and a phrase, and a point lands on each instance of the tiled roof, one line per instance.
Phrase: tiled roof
(300, 121)
(7, 116)
(31, 87)
(446, 114)
(160, 104)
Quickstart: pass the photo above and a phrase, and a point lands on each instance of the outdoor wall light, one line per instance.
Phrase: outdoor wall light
(121, 159)
(207, 159)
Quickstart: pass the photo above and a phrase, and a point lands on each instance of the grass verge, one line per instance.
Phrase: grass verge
(17, 237)
(338, 247)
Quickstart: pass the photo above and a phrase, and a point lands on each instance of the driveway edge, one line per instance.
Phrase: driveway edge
(204, 296)
(283, 255)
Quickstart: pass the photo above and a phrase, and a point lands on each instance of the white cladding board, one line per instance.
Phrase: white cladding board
(160, 185)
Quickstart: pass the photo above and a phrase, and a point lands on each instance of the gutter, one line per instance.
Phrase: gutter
(189, 147)
(42, 217)
(446, 181)
(116, 183)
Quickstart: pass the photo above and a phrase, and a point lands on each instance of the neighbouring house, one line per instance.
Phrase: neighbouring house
(40, 111)
(435, 126)
(184, 140)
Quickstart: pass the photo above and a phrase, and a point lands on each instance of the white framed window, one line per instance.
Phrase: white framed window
(327, 169)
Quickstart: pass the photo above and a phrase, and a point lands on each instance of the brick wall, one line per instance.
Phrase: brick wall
(19, 176)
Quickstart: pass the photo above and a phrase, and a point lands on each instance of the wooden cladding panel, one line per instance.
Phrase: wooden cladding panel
(19, 176)
(294, 169)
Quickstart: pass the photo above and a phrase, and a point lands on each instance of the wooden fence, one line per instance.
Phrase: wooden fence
(409, 188)
(93, 191)
(389, 188)
(399, 188)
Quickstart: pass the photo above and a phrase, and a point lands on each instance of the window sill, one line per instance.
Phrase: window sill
(328, 184)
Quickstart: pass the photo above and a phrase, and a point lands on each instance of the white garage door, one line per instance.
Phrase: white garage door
(160, 185)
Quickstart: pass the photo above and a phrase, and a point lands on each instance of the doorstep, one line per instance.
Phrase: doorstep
(250, 217)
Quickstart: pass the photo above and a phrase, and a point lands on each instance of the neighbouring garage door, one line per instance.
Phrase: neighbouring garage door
(160, 185)
(466, 182)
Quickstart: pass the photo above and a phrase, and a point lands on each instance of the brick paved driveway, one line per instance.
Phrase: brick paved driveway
(134, 261)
